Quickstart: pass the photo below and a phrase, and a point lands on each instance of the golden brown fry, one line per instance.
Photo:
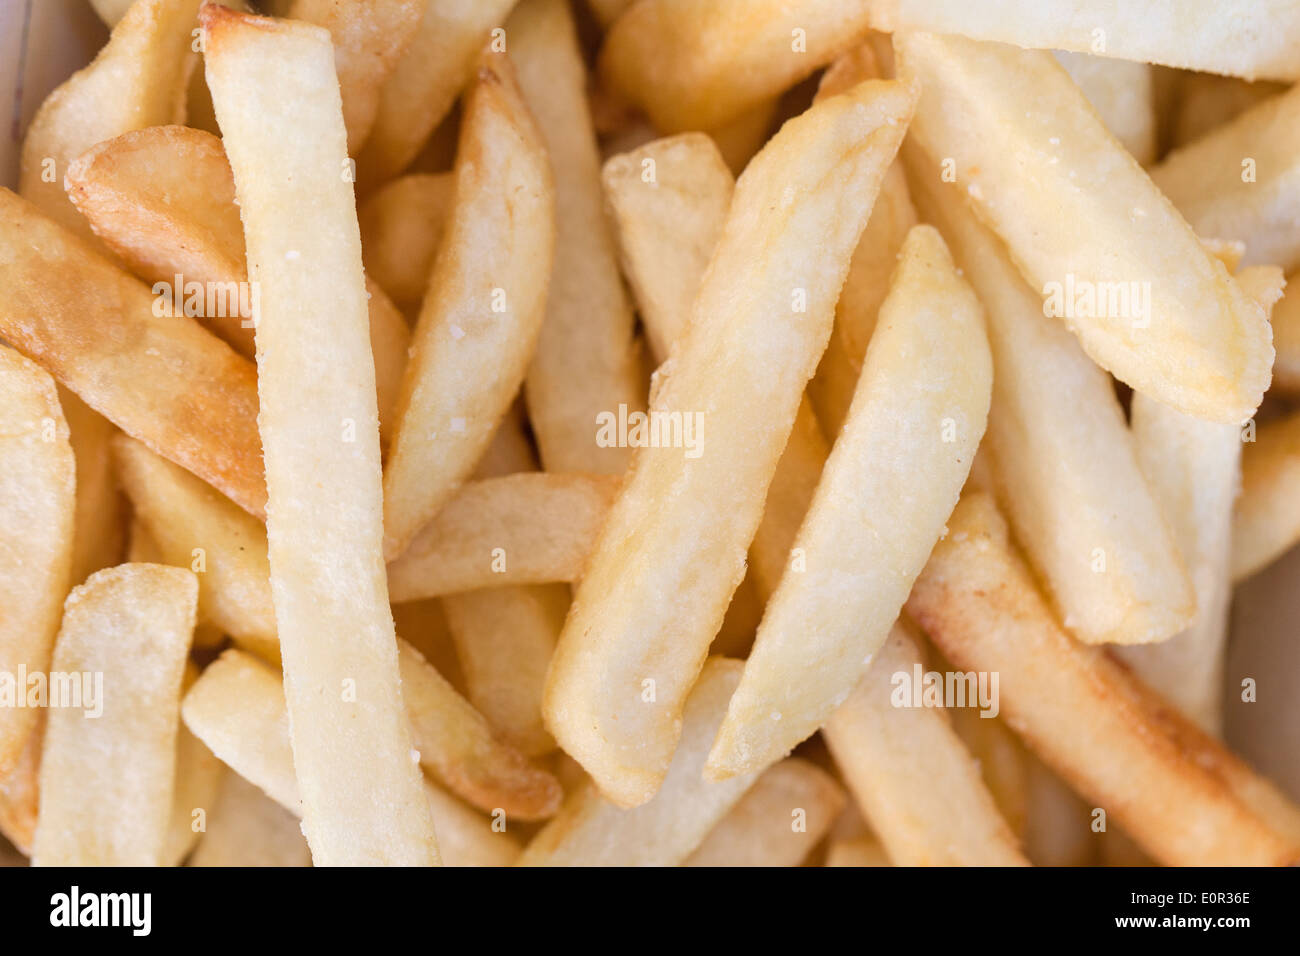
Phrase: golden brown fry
(1207, 101)
(1176, 791)
(138, 79)
(1237, 37)
(163, 380)
(694, 65)
(1266, 522)
(1242, 181)
(586, 364)
(912, 777)
(482, 314)
(1286, 339)
(238, 709)
(891, 481)
(37, 504)
(369, 37)
(1109, 253)
(519, 529)
(1064, 461)
(777, 822)
(423, 85)
(670, 555)
(857, 851)
(592, 831)
(108, 765)
(193, 526)
(739, 139)
(401, 228)
(278, 105)
(99, 525)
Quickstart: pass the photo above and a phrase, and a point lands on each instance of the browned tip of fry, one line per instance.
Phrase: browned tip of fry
(217, 19)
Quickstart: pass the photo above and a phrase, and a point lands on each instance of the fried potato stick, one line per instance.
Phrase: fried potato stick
(672, 550)
(277, 101)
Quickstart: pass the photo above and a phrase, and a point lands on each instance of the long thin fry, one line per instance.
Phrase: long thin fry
(1177, 792)
(586, 364)
(401, 229)
(913, 779)
(484, 309)
(107, 767)
(37, 504)
(277, 101)
(1090, 232)
(646, 611)
(1064, 461)
(1266, 522)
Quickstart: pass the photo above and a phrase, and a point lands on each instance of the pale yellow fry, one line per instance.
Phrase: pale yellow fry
(163, 199)
(1058, 827)
(37, 504)
(1176, 791)
(1266, 522)
(694, 65)
(586, 364)
(1238, 37)
(787, 811)
(99, 523)
(197, 781)
(247, 828)
(592, 831)
(483, 311)
(1064, 461)
(912, 777)
(424, 83)
(163, 380)
(238, 709)
(670, 202)
(893, 477)
(277, 101)
(672, 550)
(1086, 227)
(1242, 181)
(456, 744)
(1002, 763)
(138, 79)
(106, 778)
(519, 529)
(401, 228)
(831, 389)
(1120, 91)
(369, 37)
(194, 526)
(20, 792)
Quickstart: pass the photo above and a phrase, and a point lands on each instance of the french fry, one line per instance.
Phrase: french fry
(519, 529)
(1183, 798)
(1058, 824)
(20, 792)
(97, 537)
(787, 811)
(1002, 763)
(1109, 253)
(238, 709)
(1064, 462)
(639, 614)
(164, 200)
(424, 83)
(1242, 181)
(247, 828)
(739, 139)
(277, 101)
(457, 745)
(667, 229)
(401, 227)
(193, 526)
(1286, 339)
(857, 851)
(138, 79)
(424, 626)
(1266, 520)
(106, 782)
(697, 65)
(165, 381)
(482, 314)
(1237, 39)
(591, 831)
(586, 364)
(111, 11)
(894, 474)
(369, 37)
(1207, 101)
(197, 781)
(37, 504)
(1120, 92)
(911, 775)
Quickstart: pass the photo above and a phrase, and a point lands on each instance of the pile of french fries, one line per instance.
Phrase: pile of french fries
(491, 433)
